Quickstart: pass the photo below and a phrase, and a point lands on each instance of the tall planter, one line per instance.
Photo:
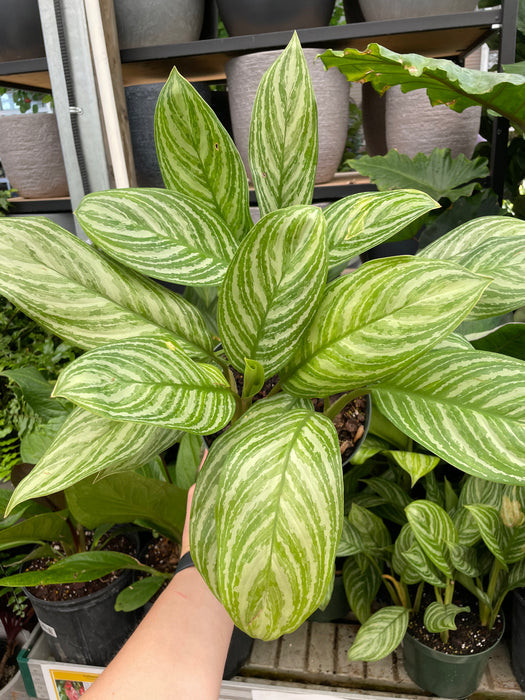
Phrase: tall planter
(155, 23)
(332, 92)
(31, 155)
(445, 675)
(258, 16)
(377, 10)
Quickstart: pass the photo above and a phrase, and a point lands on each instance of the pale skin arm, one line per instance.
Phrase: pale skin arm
(178, 651)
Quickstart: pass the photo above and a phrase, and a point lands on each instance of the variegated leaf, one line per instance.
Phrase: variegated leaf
(149, 380)
(411, 563)
(480, 491)
(87, 444)
(380, 634)
(440, 617)
(466, 527)
(272, 287)
(276, 543)
(162, 234)
(454, 341)
(375, 321)
(361, 221)
(203, 534)
(491, 529)
(77, 293)
(283, 133)
(350, 541)
(361, 586)
(371, 446)
(433, 529)
(414, 463)
(372, 530)
(517, 575)
(464, 559)
(468, 407)
(393, 493)
(197, 156)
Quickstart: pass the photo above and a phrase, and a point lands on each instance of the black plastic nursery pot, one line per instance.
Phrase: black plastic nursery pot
(86, 630)
(258, 16)
(338, 606)
(518, 636)
(445, 675)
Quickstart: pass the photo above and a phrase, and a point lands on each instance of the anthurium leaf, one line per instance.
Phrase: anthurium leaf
(83, 297)
(138, 593)
(162, 234)
(79, 568)
(508, 339)
(36, 390)
(203, 536)
(189, 457)
(440, 617)
(197, 156)
(372, 530)
(46, 527)
(361, 587)
(272, 287)
(433, 529)
(414, 463)
(149, 380)
(380, 634)
(275, 575)
(491, 529)
(438, 174)
(361, 221)
(126, 497)
(378, 319)
(444, 80)
(88, 444)
(283, 133)
(452, 400)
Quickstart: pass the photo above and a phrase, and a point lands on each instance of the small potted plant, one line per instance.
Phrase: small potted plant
(268, 508)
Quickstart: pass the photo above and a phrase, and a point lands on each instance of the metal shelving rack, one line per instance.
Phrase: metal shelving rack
(68, 69)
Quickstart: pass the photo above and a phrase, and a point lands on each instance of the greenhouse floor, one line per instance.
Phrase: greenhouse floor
(315, 658)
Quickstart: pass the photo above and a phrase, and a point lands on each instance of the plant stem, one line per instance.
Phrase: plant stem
(419, 595)
(487, 615)
(341, 402)
(401, 591)
(165, 470)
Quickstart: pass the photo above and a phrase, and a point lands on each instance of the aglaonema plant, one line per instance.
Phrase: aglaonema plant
(268, 508)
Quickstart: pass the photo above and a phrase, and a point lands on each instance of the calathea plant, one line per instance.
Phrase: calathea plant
(268, 507)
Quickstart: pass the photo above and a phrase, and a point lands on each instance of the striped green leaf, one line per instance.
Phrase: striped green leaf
(350, 541)
(276, 542)
(517, 576)
(283, 133)
(197, 156)
(377, 320)
(440, 617)
(465, 559)
(414, 463)
(203, 534)
(491, 529)
(454, 341)
(475, 491)
(77, 293)
(362, 583)
(453, 400)
(149, 380)
(433, 529)
(393, 493)
(272, 287)
(380, 634)
(88, 444)
(162, 234)
(372, 530)
(361, 221)
(410, 561)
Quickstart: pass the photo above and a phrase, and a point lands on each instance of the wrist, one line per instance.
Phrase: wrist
(185, 562)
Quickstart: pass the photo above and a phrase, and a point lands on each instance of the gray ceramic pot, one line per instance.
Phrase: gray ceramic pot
(20, 31)
(399, 9)
(31, 155)
(332, 92)
(258, 16)
(158, 22)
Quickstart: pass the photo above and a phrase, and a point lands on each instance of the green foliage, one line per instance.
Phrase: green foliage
(27, 100)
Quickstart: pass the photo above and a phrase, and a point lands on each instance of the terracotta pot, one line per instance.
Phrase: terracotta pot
(258, 16)
(155, 23)
(31, 155)
(332, 92)
(399, 9)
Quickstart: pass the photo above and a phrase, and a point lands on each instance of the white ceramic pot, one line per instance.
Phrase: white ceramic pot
(332, 92)
(31, 155)
(158, 22)
(399, 9)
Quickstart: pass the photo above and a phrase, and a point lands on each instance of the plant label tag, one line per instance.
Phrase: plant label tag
(48, 629)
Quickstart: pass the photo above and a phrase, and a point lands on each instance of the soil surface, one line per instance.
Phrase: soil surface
(71, 591)
(162, 554)
(469, 638)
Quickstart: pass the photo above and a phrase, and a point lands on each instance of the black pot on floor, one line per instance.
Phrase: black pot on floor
(258, 16)
(518, 636)
(238, 653)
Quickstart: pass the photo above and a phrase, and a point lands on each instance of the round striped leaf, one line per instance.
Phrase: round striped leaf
(279, 514)
(149, 380)
(88, 444)
(283, 133)
(380, 634)
(162, 234)
(414, 463)
(410, 561)
(433, 529)
(491, 529)
(361, 221)
(196, 155)
(362, 584)
(350, 542)
(372, 530)
(377, 320)
(272, 287)
(440, 617)
(77, 293)
(453, 401)
(203, 536)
